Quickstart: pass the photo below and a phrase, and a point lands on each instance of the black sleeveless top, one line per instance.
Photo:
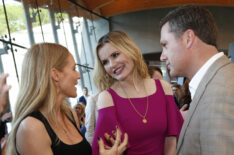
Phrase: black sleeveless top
(60, 148)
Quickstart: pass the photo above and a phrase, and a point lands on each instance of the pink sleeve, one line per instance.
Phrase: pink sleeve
(106, 123)
(174, 117)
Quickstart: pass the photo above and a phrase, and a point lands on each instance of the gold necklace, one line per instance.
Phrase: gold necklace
(144, 120)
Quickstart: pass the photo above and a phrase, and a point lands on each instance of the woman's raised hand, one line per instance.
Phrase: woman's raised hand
(117, 148)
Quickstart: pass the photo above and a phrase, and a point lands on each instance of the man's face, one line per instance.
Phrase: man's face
(85, 91)
(173, 52)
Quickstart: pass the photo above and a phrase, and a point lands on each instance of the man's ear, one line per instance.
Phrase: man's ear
(189, 37)
(54, 74)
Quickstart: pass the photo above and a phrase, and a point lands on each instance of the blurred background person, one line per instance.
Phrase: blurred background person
(83, 98)
(155, 72)
(80, 111)
(183, 95)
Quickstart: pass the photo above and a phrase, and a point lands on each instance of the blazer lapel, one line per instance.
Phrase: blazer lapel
(201, 88)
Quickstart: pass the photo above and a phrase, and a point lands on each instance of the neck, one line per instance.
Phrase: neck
(201, 55)
(58, 102)
(132, 82)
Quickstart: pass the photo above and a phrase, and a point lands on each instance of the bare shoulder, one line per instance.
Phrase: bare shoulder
(149, 81)
(166, 87)
(30, 126)
(31, 134)
(104, 100)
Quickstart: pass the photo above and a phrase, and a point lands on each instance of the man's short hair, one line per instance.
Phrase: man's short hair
(193, 17)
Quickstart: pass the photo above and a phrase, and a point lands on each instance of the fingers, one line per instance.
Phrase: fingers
(4, 88)
(184, 107)
(118, 135)
(3, 79)
(114, 133)
(109, 138)
(116, 139)
(123, 145)
(125, 142)
(107, 147)
(118, 147)
(101, 145)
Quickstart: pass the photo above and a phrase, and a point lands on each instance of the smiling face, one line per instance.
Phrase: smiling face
(116, 64)
(174, 52)
(68, 78)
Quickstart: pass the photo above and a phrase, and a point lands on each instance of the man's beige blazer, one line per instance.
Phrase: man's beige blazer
(209, 126)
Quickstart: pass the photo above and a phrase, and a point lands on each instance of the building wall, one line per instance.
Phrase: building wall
(143, 26)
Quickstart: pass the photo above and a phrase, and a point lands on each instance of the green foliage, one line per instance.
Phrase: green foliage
(15, 16)
(45, 19)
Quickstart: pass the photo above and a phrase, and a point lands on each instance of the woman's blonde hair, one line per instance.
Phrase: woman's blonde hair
(124, 44)
(37, 87)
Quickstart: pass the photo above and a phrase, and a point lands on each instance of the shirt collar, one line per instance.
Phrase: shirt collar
(193, 84)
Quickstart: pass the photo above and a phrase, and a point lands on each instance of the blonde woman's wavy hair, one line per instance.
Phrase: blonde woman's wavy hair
(124, 44)
(37, 87)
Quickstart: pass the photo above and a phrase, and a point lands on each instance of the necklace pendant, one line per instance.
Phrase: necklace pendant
(144, 120)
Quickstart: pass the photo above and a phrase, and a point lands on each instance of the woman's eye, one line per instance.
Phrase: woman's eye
(104, 62)
(115, 54)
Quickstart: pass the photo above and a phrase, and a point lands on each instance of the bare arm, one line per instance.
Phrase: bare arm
(170, 141)
(170, 145)
(107, 119)
(32, 138)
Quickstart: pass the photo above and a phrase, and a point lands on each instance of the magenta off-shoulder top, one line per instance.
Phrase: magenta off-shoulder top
(163, 119)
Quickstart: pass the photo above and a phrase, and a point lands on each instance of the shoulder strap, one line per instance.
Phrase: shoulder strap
(73, 120)
(38, 115)
(74, 123)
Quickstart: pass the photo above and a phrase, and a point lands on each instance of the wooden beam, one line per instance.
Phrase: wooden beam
(109, 8)
(124, 6)
(96, 4)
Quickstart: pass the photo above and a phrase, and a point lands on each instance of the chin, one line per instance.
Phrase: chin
(121, 78)
(172, 74)
(73, 95)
